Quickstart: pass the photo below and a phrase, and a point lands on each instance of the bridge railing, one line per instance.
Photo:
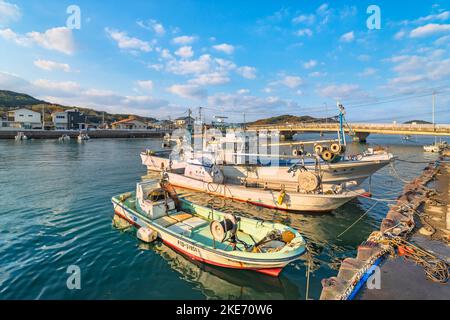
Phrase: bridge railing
(355, 126)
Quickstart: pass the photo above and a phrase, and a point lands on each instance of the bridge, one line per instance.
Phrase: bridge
(359, 131)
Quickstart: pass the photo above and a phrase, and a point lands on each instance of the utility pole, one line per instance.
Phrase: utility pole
(43, 117)
(434, 125)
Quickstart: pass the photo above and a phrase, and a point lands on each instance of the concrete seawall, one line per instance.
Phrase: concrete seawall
(95, 134)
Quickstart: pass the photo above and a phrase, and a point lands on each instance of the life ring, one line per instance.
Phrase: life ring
(318, 149)
(327, 155)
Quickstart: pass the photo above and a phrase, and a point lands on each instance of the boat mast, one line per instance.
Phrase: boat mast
(341, 124)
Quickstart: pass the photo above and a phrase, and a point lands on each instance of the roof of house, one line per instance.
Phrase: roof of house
(14, 110)
(127, 120)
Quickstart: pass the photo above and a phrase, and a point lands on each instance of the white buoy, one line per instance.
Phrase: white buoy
(146, 234)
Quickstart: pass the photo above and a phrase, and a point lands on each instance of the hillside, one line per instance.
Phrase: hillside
(290, 119)
(11, 100)
(417, 121)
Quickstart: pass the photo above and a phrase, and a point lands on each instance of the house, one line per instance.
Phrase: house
(76, 120)
(129, 124)
(184, 121)
(24, 118)
(71, 119)
(59, 119)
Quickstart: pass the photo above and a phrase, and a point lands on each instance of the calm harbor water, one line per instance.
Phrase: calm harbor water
(55, 211)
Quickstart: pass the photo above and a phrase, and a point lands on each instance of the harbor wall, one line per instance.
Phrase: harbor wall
(95, 134)
(399, 222)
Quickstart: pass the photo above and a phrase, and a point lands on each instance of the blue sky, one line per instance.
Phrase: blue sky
(264, 58)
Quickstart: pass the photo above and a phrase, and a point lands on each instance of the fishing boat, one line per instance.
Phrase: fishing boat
(352, 169)
(83, 137)
(208, 235)
(64, 138)
(336, 167)
(20, 136)
(306, 195)
(432, 148)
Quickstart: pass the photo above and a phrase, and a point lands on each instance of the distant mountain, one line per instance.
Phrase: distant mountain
(290, 119)
(12, 100)
(417, 121)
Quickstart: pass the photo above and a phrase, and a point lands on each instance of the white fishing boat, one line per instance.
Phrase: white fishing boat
(20, 136)
(354, 169)
(64, 138)
(434, 148)
(207, 235)
(83, 137)
(307, 195)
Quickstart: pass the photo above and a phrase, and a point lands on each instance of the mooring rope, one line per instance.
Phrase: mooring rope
(362, 216)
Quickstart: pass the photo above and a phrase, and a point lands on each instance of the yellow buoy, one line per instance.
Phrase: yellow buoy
(281, 197)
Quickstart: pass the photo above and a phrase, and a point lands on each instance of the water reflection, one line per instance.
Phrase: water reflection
(221, 283)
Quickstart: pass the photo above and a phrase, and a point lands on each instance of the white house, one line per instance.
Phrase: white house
(60, 120)
(25, 118)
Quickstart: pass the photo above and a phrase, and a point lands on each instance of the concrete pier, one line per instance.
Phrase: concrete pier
(94, 134)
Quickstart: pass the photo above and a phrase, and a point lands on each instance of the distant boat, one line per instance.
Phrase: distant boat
(83, 137)
(208, 235)
(20, 136)
(64, 138)
(431, 148)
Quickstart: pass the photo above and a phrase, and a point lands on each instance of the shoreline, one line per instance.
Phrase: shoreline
(94, 134)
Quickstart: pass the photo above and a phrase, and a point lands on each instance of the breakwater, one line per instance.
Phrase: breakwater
(95, 134)
(395, 228)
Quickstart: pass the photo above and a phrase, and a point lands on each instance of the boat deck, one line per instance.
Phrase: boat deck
(194, 227)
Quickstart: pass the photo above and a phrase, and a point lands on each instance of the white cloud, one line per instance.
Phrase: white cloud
(128, 43)
(341, 91)
(310, 64)
(317, 74)
(305, 19)
(363, 57)
(185, 52)
(58, 39)
(153, 25)
(304, 32)
(224, 47)
(243, 91)
(9, 12)
(399, 35)
(241, 102)
(348, 37)
(445, 40)
(145, 84)
(368, 72)
(429, 30)
(189, 91)
(214, 78)
(48, 65)
(183, 67)
(247, 72)
(57, 86)
(183, 40)
(442, 16)
(289, 81)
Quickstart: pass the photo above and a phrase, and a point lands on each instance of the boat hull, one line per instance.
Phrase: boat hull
(203, 254)
(332, 173)
(293, 201)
